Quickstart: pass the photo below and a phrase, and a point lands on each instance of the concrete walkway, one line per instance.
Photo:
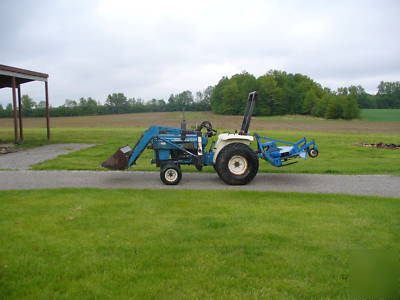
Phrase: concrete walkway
(372, 185)
(24, 159)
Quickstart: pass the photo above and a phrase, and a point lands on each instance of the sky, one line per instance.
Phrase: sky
(151, 49)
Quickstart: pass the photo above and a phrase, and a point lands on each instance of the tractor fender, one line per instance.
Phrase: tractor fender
(229, 138)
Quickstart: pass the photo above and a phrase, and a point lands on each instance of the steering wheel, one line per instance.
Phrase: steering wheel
(207, 125)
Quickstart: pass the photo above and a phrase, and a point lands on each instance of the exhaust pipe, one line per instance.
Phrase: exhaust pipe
(119, 160)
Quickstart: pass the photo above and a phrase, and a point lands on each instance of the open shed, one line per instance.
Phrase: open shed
(12, 77)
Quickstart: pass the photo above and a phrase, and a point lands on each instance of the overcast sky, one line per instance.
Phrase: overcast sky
(150, 49)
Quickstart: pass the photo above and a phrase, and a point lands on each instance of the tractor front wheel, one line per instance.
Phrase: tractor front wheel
(313, 153)
(170, 174)
(237, 164)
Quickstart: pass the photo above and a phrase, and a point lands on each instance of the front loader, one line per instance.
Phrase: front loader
(231, 156)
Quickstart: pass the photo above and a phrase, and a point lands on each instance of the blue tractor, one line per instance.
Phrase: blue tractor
(231, 155)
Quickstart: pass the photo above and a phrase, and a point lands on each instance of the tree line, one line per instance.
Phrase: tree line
(388, 96)
(279, 93)
(116, 103)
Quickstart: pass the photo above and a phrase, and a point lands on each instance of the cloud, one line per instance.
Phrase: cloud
(151, 49)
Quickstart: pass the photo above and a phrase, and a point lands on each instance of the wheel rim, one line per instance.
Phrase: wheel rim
(171, 175)
(313, 153)
(237, 165)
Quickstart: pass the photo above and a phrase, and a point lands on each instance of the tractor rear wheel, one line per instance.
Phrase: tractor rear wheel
(170, 174)
(236, 164)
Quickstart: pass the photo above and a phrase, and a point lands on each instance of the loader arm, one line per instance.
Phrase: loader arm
(141, 144)
(145, 139)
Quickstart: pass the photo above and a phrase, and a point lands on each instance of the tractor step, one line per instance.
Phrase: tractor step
(119, 160)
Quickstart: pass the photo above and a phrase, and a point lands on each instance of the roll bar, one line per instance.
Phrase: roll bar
(251, 101)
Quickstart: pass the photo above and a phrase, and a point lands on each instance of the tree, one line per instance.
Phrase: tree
(245, 83)
(199, 97)
(202, 100)
(230, 97)
(117, 103)
(91, 102)
(309, 102)
(9, 110)
(161, 102)
(87, 106)
(172, 102)
(362, 98)
(41, 104)
(388, 88)
(207, 96)
(70, 103)
(388, 95)
(279, 93)
(217, 97)
(184, 99)
(267, 95)
(334, 107)
(285, 93)
(350, 108)
(320, 106)
(27, 105)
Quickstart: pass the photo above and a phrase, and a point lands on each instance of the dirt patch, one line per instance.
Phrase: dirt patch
(218, 121)
(8, 148)
(380, 146)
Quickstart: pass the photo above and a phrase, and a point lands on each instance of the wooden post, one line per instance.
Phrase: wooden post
(14, 94)
(21, 128)
(47, 109)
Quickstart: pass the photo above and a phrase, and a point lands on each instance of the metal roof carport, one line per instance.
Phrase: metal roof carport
(13, 78)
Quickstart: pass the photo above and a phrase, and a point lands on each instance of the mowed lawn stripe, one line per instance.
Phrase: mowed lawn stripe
(143, 244)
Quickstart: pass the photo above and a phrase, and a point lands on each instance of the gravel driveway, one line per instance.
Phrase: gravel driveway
(26, 158)
(372, 185)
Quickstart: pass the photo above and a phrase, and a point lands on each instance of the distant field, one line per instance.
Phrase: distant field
(157, 244)
(381, 115)
(288, 122)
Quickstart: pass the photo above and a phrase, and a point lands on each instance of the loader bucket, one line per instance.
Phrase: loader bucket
(119, 160)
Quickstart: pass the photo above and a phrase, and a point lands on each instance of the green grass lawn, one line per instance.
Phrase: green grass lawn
(142, 244)
(338, 154)
(381, 115)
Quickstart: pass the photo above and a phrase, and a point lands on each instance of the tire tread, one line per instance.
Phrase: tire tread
(221, 165)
